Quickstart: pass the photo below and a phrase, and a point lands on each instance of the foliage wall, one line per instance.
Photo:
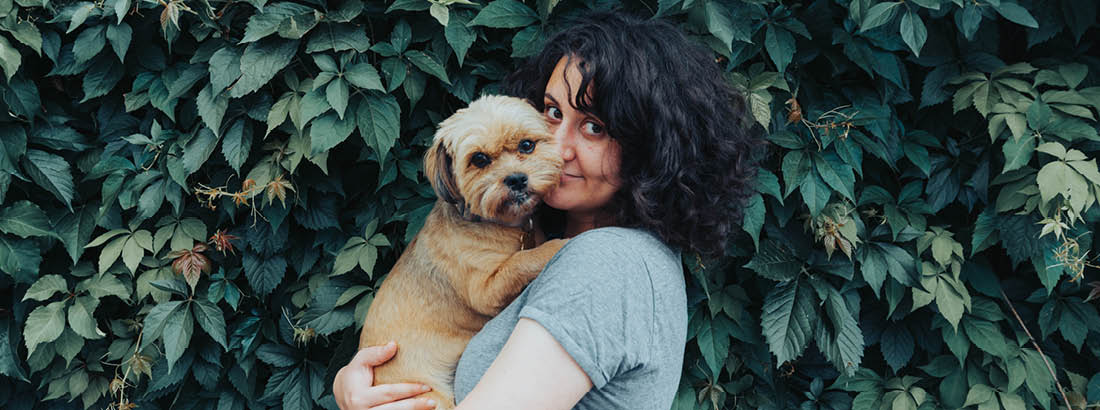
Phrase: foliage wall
(198, 197)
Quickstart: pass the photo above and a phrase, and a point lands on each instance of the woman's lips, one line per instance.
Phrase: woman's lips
(569, 177)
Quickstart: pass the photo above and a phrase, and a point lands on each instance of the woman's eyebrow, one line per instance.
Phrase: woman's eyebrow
(551, 98)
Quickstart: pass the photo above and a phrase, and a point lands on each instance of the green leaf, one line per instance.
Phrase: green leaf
(815, 193)
(19, 258)
(9, 360)
(80, 13)
(260, 62)
(45, 287)
(950, 302)
(24, 219)
(505, 14)
(155, 320)
(441, 13)
(89, 43)
(795, 168)
(178, 328)
(198, 150)
(896, 344)
(263, 274)
(379, 123)
(842, 344)
(831, 175)
(753, 219)
(120, 36)
(274, 16)
(103, 285)
(986, 336)
(81, 320)
(1016, 14)
(225, 68)
(913, 32)
(428, 64)
(101, 78)
(27, 33)
(328, 131)
(775, 261)
(1038, 378)
(714, 343)
(338, 37)
(942, 246)
(211, 320)
(1053, 179)
(979, 393)
(10, 59)
(51, 172)
(878, 15)
(719, 24)
(337, 96)
(212, 106)
(1018, 152)
(44, 325)
(780, 45)
(364, 75)
(110, 253)
(237, 144)
(787, 319)
(459, 35)
(527, 42)
(132, 254)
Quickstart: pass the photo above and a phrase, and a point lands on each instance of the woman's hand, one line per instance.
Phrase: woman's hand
(354, 384)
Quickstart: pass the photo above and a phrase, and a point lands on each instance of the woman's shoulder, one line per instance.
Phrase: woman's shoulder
(617, 237)
(616, 249)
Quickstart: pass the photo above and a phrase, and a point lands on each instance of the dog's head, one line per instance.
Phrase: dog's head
(496, 158)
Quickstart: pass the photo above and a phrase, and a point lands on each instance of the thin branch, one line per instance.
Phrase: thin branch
(1050, 369)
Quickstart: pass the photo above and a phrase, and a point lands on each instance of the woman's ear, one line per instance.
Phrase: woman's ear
(438, 170)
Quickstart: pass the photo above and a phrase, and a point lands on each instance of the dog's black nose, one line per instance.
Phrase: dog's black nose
(518, 182)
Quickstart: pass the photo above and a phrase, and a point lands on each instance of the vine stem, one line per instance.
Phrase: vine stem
(1050, 368)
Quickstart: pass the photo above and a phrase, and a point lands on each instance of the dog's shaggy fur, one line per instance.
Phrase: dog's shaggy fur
(468, 261)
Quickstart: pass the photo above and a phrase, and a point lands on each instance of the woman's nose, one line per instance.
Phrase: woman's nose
(565, 142)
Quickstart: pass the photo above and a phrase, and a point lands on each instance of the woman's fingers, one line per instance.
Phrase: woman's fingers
(409, 404)
(375, 355)
(386, 393)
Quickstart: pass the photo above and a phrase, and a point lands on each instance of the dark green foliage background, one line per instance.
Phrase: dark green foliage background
(922, 157)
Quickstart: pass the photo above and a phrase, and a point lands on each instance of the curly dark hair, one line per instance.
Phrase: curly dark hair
(687, 166)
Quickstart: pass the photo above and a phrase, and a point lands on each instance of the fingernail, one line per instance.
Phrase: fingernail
(425, 387)
(431, 403)
(391, 343)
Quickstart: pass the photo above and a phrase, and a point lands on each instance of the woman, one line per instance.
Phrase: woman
(656, 161)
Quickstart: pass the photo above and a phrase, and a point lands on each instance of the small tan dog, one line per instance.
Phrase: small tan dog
(490, 165)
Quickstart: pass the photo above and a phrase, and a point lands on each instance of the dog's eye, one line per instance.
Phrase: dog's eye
(480, 160)
(526, 146)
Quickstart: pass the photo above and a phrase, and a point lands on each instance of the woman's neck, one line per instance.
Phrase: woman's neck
(577, 223)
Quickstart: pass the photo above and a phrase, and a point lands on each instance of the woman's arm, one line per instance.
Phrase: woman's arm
(532, 371)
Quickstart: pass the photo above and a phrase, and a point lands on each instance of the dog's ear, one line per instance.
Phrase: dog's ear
(437, 168)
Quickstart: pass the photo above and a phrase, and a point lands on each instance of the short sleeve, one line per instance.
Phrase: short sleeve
(597, 299)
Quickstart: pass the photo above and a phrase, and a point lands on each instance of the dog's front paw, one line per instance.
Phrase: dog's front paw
(551, 247)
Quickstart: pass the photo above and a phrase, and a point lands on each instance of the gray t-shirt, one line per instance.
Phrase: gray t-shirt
(615, 299)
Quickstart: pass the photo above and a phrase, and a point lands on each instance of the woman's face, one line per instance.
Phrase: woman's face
(590, 174)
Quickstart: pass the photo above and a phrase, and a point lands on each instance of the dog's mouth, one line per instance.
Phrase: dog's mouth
(520, 198)
(520, 203)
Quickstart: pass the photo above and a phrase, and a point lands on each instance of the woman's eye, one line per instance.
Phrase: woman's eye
(593, 128)
(480, 160)
(526, 146)
(553, 112)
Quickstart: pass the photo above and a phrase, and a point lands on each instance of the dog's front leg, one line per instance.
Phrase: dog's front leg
(491, 294)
